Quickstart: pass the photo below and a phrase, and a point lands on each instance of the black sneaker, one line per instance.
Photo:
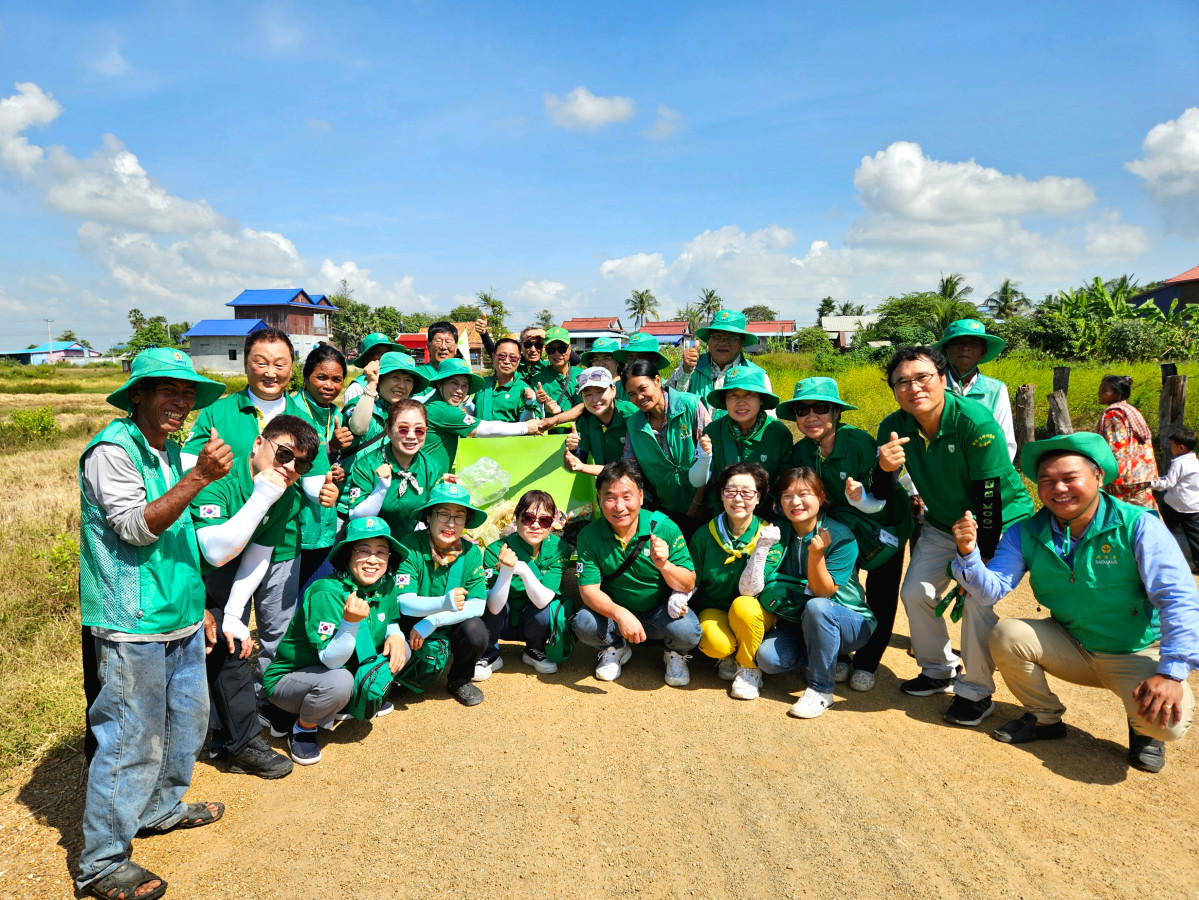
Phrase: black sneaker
(1025, 730)
(257, 758)
(924, 686)
(1145, 753)
(968, 712)
(279, 721)
(466, 694)
(303, 746)
(537, 659)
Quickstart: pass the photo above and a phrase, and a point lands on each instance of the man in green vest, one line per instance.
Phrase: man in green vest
(1124, 610)
(143, 603)
(700, 374)
(967, 346)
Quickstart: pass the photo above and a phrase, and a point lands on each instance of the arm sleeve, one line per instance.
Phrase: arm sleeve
(703, 419)
(251, 569)
(488, 343)
(495, 428)
(113, 483)
(988, 500)
(359, 420)
(413, 604)
(753, 576)
(337, 652)
(471, 609)
(539, 594)
(497, 597)
(222, 543)
(1168, 480)
(701, 469)
(312, 486)
(1171, 588)
(372, 502)
(992, 581)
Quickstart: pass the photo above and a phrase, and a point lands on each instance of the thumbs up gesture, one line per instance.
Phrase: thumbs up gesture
(356, 608)
(965, 533)
(328, 495)
(705, 444)
(853, 489)
(215, 459)
(890, 455)
(572, 439)
(659, 551)
(529, 395)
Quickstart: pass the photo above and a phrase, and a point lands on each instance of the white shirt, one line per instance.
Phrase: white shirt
(1181, 484)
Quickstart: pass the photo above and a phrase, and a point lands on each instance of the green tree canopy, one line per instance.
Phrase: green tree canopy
(826, 308)
(849, 308)
(760, 312)
(1007, 301)
(708, 304)
(464, 312)
(495, 310)
(641, 305)
(70, 335)
(544, 319)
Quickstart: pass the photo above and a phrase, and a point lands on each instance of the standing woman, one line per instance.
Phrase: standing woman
(818, 604)
(663, 437)
(373, 347)
(1128, 434)
(393, 377)
(392, 480)
(844, 455)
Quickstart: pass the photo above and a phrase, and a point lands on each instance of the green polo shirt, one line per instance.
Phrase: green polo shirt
(968, 446)
(786, 594)
(503, 404)
(447, 423)
(604, 443)
(220, 501)
(718, 565)
(378, 422)
(547, 566)
(420, 574)
(641, 586)
(562, 389)
(768, 445)
(528, 372)
(398, 511)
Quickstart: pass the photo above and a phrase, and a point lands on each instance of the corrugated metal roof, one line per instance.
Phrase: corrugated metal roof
(1188, 275)
(281, 297)
(785, 327)
(224, 328)
(51, 347)
(661, 329)
(593, 323)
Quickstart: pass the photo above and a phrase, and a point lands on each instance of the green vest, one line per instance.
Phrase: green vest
(983, 389)
(138, 590)
(318, 524)
(668, 474)
(1101, 601)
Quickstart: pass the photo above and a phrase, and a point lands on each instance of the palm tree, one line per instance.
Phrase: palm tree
(950, 287)
(945, 310)
(849, 308)
(641, 305)
(1007, 301)
(692, 313)
(709, 304)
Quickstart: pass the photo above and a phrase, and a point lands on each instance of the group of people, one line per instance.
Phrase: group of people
(716, 528)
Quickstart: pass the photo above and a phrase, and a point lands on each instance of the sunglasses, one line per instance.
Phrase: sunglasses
(528, 519)
(415, 432)
(820, 408)
(534, 342)
(507, 357)
(284, 455)
(557, 348)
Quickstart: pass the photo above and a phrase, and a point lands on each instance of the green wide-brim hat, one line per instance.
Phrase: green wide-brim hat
(1085, 443)
(401, 362)
(366, 527)
(726, 320)
(557, 333)
(813, 390)
(371, 341)
(457, 366)
(458, 496)
(610, 346)
(643, 343)
(972, 328)
(162, 362)
(745, 378)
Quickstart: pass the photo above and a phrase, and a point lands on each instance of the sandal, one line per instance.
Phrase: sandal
(194, 815)
(122, 882)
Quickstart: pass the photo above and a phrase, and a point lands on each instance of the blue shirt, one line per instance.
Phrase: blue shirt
(1164, 572)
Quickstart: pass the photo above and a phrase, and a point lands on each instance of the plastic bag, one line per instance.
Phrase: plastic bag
(486, 480)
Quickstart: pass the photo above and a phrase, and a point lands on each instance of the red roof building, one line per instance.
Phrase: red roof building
(669, 332)
(1182, 288)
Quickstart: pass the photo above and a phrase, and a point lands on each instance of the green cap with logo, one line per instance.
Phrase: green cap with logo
(403, 363)
(363, 528)
(643, 343)
(455, 365)
(813, 390)
(557, 334)
(972, 328)
(1085, 443)
(457, 495)
(370, 342)
(602, 345)
(744, 378)
(727, 320)
(162, 362)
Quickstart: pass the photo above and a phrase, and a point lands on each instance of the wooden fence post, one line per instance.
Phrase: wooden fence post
(1024, 421)
(1061, 379)
(1061, 385)
(1059, 414)
(1168, 369)
(1171, 409)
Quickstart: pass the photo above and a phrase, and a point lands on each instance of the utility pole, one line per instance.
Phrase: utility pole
(49, 340)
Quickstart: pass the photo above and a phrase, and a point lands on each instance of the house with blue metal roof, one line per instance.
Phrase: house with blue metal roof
(52, 352)
(304, 317)
(218, 344)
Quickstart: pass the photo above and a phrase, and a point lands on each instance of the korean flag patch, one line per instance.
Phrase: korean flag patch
(579, 567)
(355, 493)
(468, 420)
(403, 579)
(325, 628)
(210, 511)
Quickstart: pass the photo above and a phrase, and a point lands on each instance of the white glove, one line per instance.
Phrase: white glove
(236, 627)
(676, 606)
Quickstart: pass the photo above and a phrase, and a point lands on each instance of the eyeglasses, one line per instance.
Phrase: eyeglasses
(920, 382)
(415, 432)
(820, 407)
(365, 553)
(447, 344)
(528, 519)
(507, 357)
(534, 342)
(734, 493)
(448, 518)
(557, 347)
(284, 455)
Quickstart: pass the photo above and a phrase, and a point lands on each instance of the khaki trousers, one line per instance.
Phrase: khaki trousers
(1026, 649)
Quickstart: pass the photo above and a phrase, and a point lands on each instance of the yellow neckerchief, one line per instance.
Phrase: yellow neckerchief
(716, 528)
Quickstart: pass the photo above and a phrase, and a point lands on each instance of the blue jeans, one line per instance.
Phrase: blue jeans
(680, 635)
(149, 721)
(826, 629)
(532, 627)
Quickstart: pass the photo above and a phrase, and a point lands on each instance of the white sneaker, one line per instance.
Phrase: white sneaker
(677, 673)
(842, 672)
(484, 669)
(610, 661)
(813, 703)
(537, 659)
(861, 680)
(727, 668)
(747, 684)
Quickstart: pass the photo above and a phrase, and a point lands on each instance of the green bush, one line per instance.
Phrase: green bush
(1135, 339)
(32, 425)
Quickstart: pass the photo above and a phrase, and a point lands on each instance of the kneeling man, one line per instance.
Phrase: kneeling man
(1124, 607)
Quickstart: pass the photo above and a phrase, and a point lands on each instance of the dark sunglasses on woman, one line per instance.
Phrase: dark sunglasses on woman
(529, 519)
(820, 408)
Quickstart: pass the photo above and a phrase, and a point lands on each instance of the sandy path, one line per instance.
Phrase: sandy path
(564, 786)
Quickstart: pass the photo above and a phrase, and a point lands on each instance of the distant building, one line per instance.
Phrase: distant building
(585, 331)
(1184, 288)
(673, 333)
(767, 330)
(218, 344)
(841, 329)
(54, 351)
(304, 317)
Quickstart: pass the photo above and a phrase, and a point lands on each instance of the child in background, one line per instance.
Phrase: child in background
(1180, 491)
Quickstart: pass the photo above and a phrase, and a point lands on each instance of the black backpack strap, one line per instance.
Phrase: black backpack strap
(630, 559)
(378, 437)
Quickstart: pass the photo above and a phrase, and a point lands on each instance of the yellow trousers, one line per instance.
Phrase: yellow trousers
(740, 631)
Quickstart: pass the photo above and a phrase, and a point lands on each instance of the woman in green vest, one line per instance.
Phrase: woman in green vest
(732, 621)
(392, 480)
(814, 594)
(601, 432)
(524, 577)
(343, 620)
(443, 593)
(842, 456)
(393, 377)
(664, 435)
(372, 349)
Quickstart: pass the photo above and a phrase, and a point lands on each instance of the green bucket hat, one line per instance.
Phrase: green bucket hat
(557, 333)
(371, 341)
(162, 362)
(813, 390)
(1085, 443)
(457, 495)
(745, 378)
(366, 527)
(643, 343)
(402, 362)
(727, 320)
(601, 345)
(457, 366)
(973, 328)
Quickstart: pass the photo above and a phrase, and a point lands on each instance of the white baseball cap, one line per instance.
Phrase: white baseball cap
(595, 376)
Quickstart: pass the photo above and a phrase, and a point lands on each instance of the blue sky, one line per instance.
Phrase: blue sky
(165, 156)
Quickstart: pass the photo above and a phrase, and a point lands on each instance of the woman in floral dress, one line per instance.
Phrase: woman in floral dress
(1127, 432)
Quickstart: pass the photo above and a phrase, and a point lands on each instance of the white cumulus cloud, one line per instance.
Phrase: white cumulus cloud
(1170, 165)
(281, 35)
(581, 110)
(637, 268)
(1112, 239)
(669, 122)
(540, 293)
(109, 62)
(29, 106)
